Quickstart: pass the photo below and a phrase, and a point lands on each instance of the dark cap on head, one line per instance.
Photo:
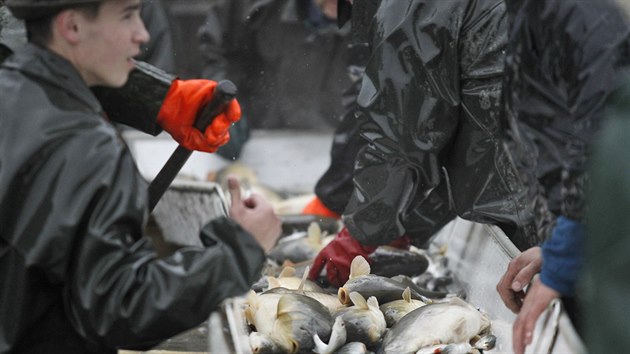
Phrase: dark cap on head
(33, 9)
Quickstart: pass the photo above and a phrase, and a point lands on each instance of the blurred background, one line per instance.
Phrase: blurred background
(185, 17)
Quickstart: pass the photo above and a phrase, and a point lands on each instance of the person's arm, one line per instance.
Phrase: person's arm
(4, 52)
(117, 292)
(425, 96)
(574, 47)
(153, 100)
(134, 104)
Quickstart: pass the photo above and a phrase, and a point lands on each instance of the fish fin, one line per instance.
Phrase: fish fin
(358, 300)
(300, 288)
(252, 298)
(359, 267)
(252, 304)
(314, 235)
(320, 346)
(249, 316)
(287, 272)
(273, 282)
(372, 301)
(406, 295)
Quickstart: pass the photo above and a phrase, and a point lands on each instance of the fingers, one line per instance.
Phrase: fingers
(235, 190)
(253, 201)
(536, 301)
(519, 334)
(523, 277)
(219, 126)
(523, 329)
(520, 272)
(511, 299)
(233, 111)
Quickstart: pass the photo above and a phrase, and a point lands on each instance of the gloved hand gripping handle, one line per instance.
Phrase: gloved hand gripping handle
(224, 93)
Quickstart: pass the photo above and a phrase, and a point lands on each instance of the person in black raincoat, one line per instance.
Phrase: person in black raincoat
(76, 272)
(562, 59)
(288, 59)
(334, 187)
(431, 106)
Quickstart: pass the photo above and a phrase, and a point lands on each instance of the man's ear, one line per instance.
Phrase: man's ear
(66, 24)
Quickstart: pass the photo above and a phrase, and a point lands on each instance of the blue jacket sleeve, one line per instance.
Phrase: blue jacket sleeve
(563, 256)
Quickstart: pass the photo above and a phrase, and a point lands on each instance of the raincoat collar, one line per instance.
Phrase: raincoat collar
(55, 70)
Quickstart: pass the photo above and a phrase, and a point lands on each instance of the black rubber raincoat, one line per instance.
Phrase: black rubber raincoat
(561, 64)
(431, 97)
(76, 273)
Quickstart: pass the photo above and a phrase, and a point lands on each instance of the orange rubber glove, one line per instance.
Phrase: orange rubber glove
(316, 207)
(339, 253)
(183, 102)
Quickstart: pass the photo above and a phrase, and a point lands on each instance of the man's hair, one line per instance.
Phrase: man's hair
(39, 31)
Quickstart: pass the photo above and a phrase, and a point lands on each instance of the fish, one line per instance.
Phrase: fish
(395, 310)
(337, 338)
(262, 344)
(364, 321)
(298, 318)
(249, 182)
(287, 279)
(261, 309)
(429, 294)
(480, 345)
(486, 342)
(382, 288)
(450, 321)
(389, 261)
(298, 246)
(330, 301)
(312, 290)
(353, 348)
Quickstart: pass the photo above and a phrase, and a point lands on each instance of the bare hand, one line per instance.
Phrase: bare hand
(520, 272)
(538, 298)
(255, 215)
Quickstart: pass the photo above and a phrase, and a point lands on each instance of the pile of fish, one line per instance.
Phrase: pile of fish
(369, 314)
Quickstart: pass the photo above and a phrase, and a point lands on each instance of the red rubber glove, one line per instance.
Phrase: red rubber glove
(184, 100)
(316, 207)
(339, 253)
(337, 256)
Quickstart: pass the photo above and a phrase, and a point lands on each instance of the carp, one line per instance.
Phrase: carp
(364, 321)
(452, 321)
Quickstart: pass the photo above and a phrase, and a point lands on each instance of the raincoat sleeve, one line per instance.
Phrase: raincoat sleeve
(4, 52)
(435, 71)
(559, 75)
(117, 292)
(334, 187)
(139, 101)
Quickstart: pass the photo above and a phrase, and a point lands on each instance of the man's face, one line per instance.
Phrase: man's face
(109, 42)
(328, 7)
